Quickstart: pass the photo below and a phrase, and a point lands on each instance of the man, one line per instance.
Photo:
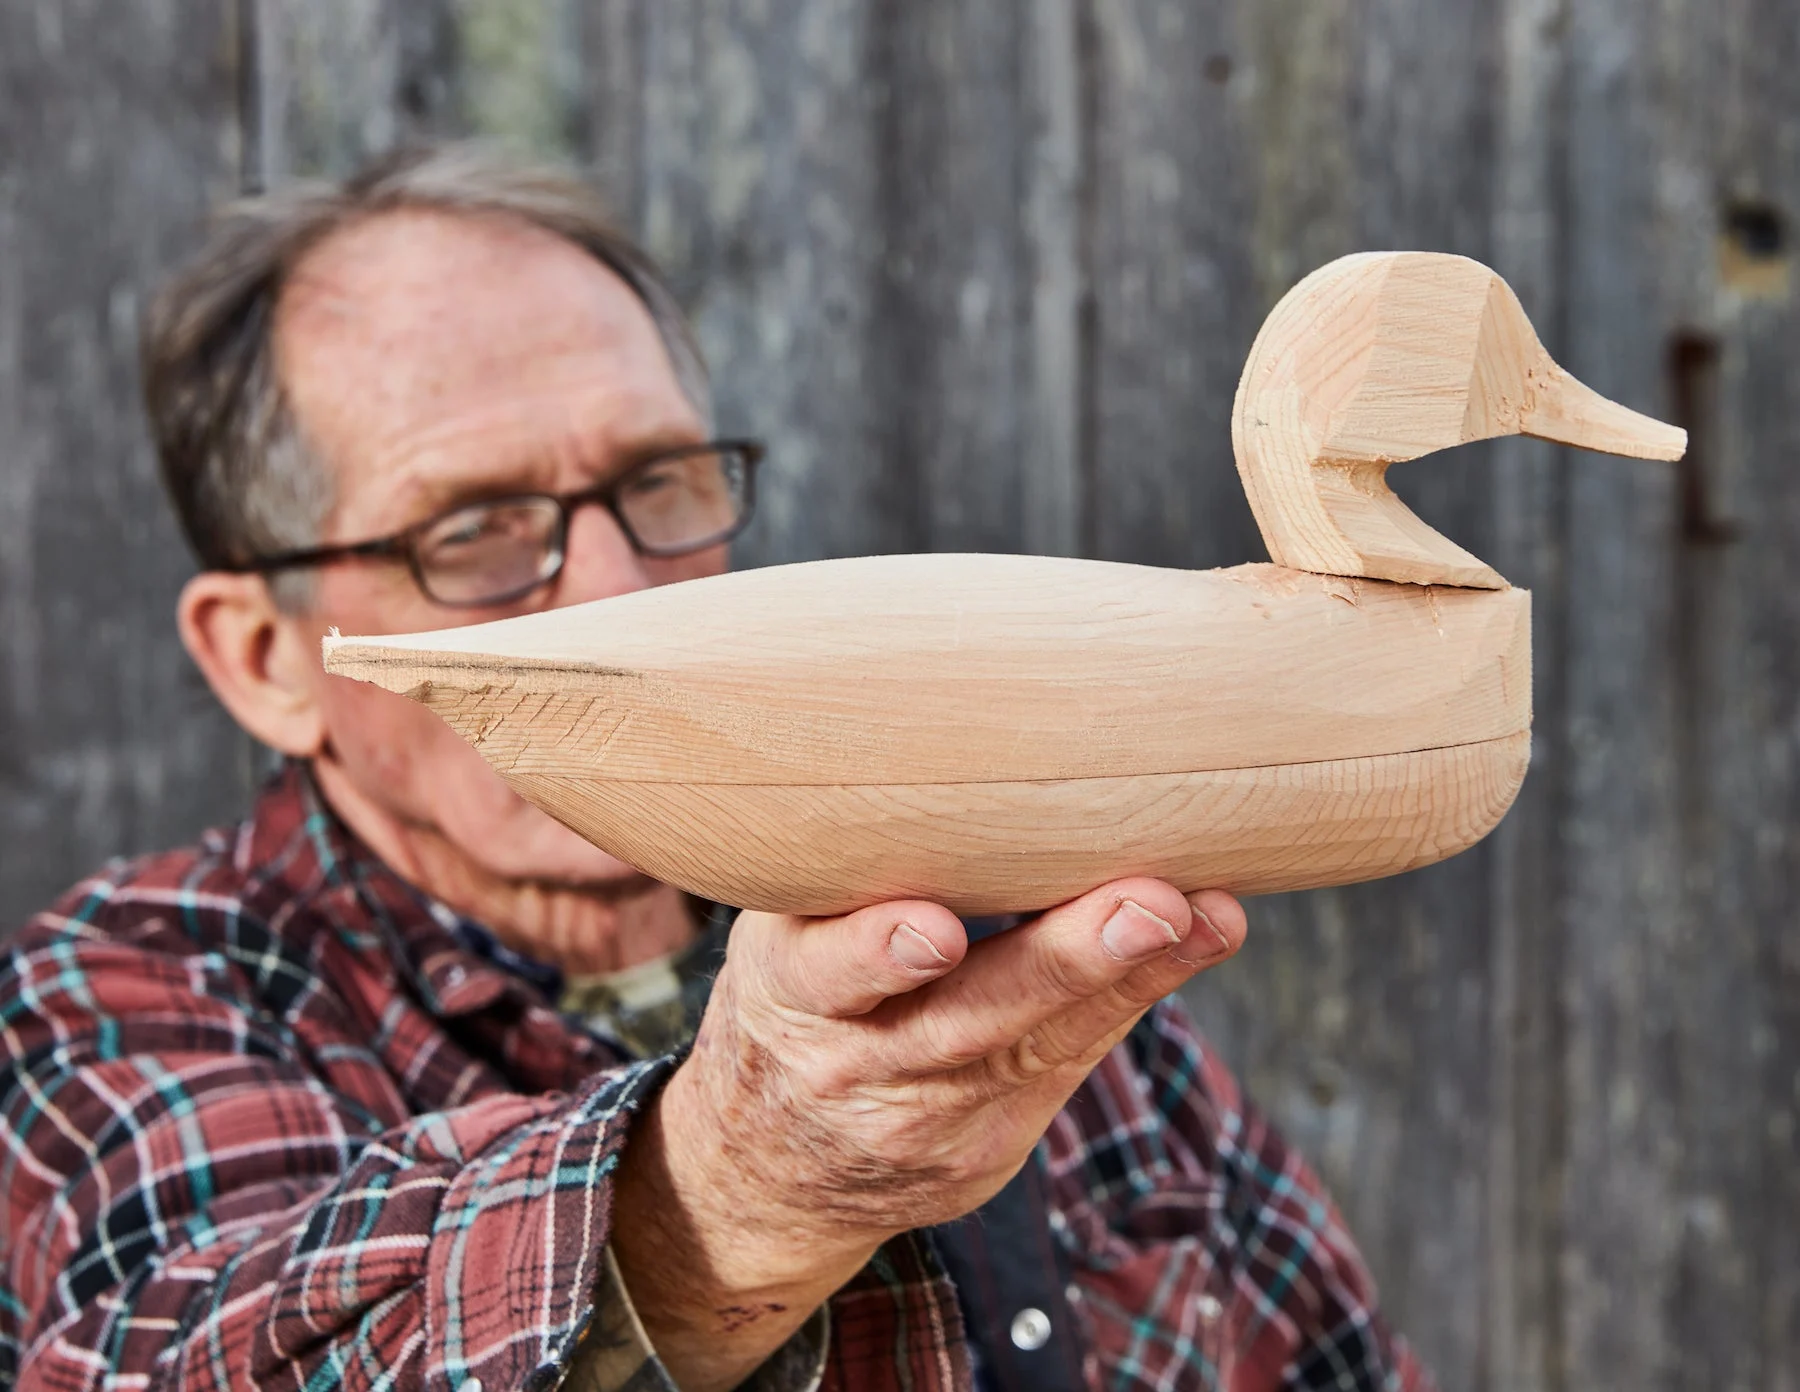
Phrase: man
(392, 1085)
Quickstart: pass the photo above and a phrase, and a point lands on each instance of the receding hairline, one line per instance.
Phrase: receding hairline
(337, 266)
(389, 221)
(227, 444)
(418, 314)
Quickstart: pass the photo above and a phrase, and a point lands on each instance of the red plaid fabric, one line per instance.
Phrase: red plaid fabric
(268, 1122)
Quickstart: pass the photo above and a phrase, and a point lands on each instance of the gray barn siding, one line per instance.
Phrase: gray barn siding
(118, 126)
(985, 275)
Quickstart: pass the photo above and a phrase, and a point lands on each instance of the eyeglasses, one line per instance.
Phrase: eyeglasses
(681, 501)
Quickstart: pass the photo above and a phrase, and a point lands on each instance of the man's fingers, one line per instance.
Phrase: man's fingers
(1015, 982)
(840, 967)
(1086, 1030)
(1225, 924)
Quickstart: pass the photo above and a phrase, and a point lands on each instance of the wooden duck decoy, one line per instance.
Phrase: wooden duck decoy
(1002, 733)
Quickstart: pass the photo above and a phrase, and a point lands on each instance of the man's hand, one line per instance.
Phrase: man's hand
(861, 1076)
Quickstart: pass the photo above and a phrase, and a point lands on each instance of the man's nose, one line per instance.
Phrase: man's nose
(600, 560)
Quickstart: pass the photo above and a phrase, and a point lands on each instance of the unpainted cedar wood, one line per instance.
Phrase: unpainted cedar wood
(974, 668)
(1023, 846)
(1383, 357)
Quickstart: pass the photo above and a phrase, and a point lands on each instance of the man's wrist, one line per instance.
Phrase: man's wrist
(721, 1275)
(701, 1192)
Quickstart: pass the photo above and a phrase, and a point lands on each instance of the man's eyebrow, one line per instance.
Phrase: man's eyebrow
(434, 492)
(658, 443)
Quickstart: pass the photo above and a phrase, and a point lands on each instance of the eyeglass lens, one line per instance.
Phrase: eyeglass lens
(488, 552)
(682, 503)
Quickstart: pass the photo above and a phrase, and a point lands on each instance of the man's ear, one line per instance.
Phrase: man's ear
(261, 663)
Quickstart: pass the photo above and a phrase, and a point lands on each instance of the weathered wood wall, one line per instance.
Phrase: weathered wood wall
(985, 275)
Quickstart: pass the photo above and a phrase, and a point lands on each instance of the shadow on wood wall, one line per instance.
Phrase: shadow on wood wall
(984, 275)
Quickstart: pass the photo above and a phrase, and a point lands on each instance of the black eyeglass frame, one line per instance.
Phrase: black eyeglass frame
(403, 544)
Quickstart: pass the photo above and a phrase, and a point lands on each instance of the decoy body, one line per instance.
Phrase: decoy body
(1002, 733)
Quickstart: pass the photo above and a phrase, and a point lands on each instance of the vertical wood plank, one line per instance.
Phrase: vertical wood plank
(765, 137)
(1522, 1343)
(118, 126)
(952, 334)
(1734, 1306)
(612, 38)
(327, 81)
(1683, 1058)
(342, 80)
(1057, 198)
(521, 72)
(1174, 182)
(1627, 924)
(839, 189)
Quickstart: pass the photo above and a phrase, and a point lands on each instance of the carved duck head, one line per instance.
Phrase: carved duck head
(1384, 357)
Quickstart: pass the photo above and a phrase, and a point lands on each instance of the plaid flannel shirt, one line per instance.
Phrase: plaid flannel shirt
(269, 1121)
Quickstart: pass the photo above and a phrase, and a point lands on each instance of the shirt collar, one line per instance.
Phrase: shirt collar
(295, 831)
(454, 965)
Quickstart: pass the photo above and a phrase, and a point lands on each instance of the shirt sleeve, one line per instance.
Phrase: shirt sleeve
(616, 1355)
(1215, 1228)
(190, 1203)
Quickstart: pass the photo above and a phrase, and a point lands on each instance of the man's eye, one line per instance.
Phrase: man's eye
(463, 530)
(653, 482)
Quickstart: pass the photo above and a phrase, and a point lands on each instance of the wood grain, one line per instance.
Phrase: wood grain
(908, 669)
(996, 847)
(998, 733)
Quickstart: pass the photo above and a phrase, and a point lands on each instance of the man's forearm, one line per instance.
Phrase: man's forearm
(718, 1284)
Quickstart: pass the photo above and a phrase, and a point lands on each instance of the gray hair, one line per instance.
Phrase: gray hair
(232, 455)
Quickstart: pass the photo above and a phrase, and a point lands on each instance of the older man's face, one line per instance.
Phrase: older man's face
(434, 360)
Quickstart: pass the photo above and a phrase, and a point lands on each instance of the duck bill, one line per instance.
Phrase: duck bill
(1570, 413)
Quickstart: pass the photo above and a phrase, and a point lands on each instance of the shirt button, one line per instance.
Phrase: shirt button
(1210, 1308)
(1030, 1329)
(469, 1385)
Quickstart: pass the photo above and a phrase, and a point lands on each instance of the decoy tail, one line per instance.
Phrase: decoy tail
(1384, 357)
